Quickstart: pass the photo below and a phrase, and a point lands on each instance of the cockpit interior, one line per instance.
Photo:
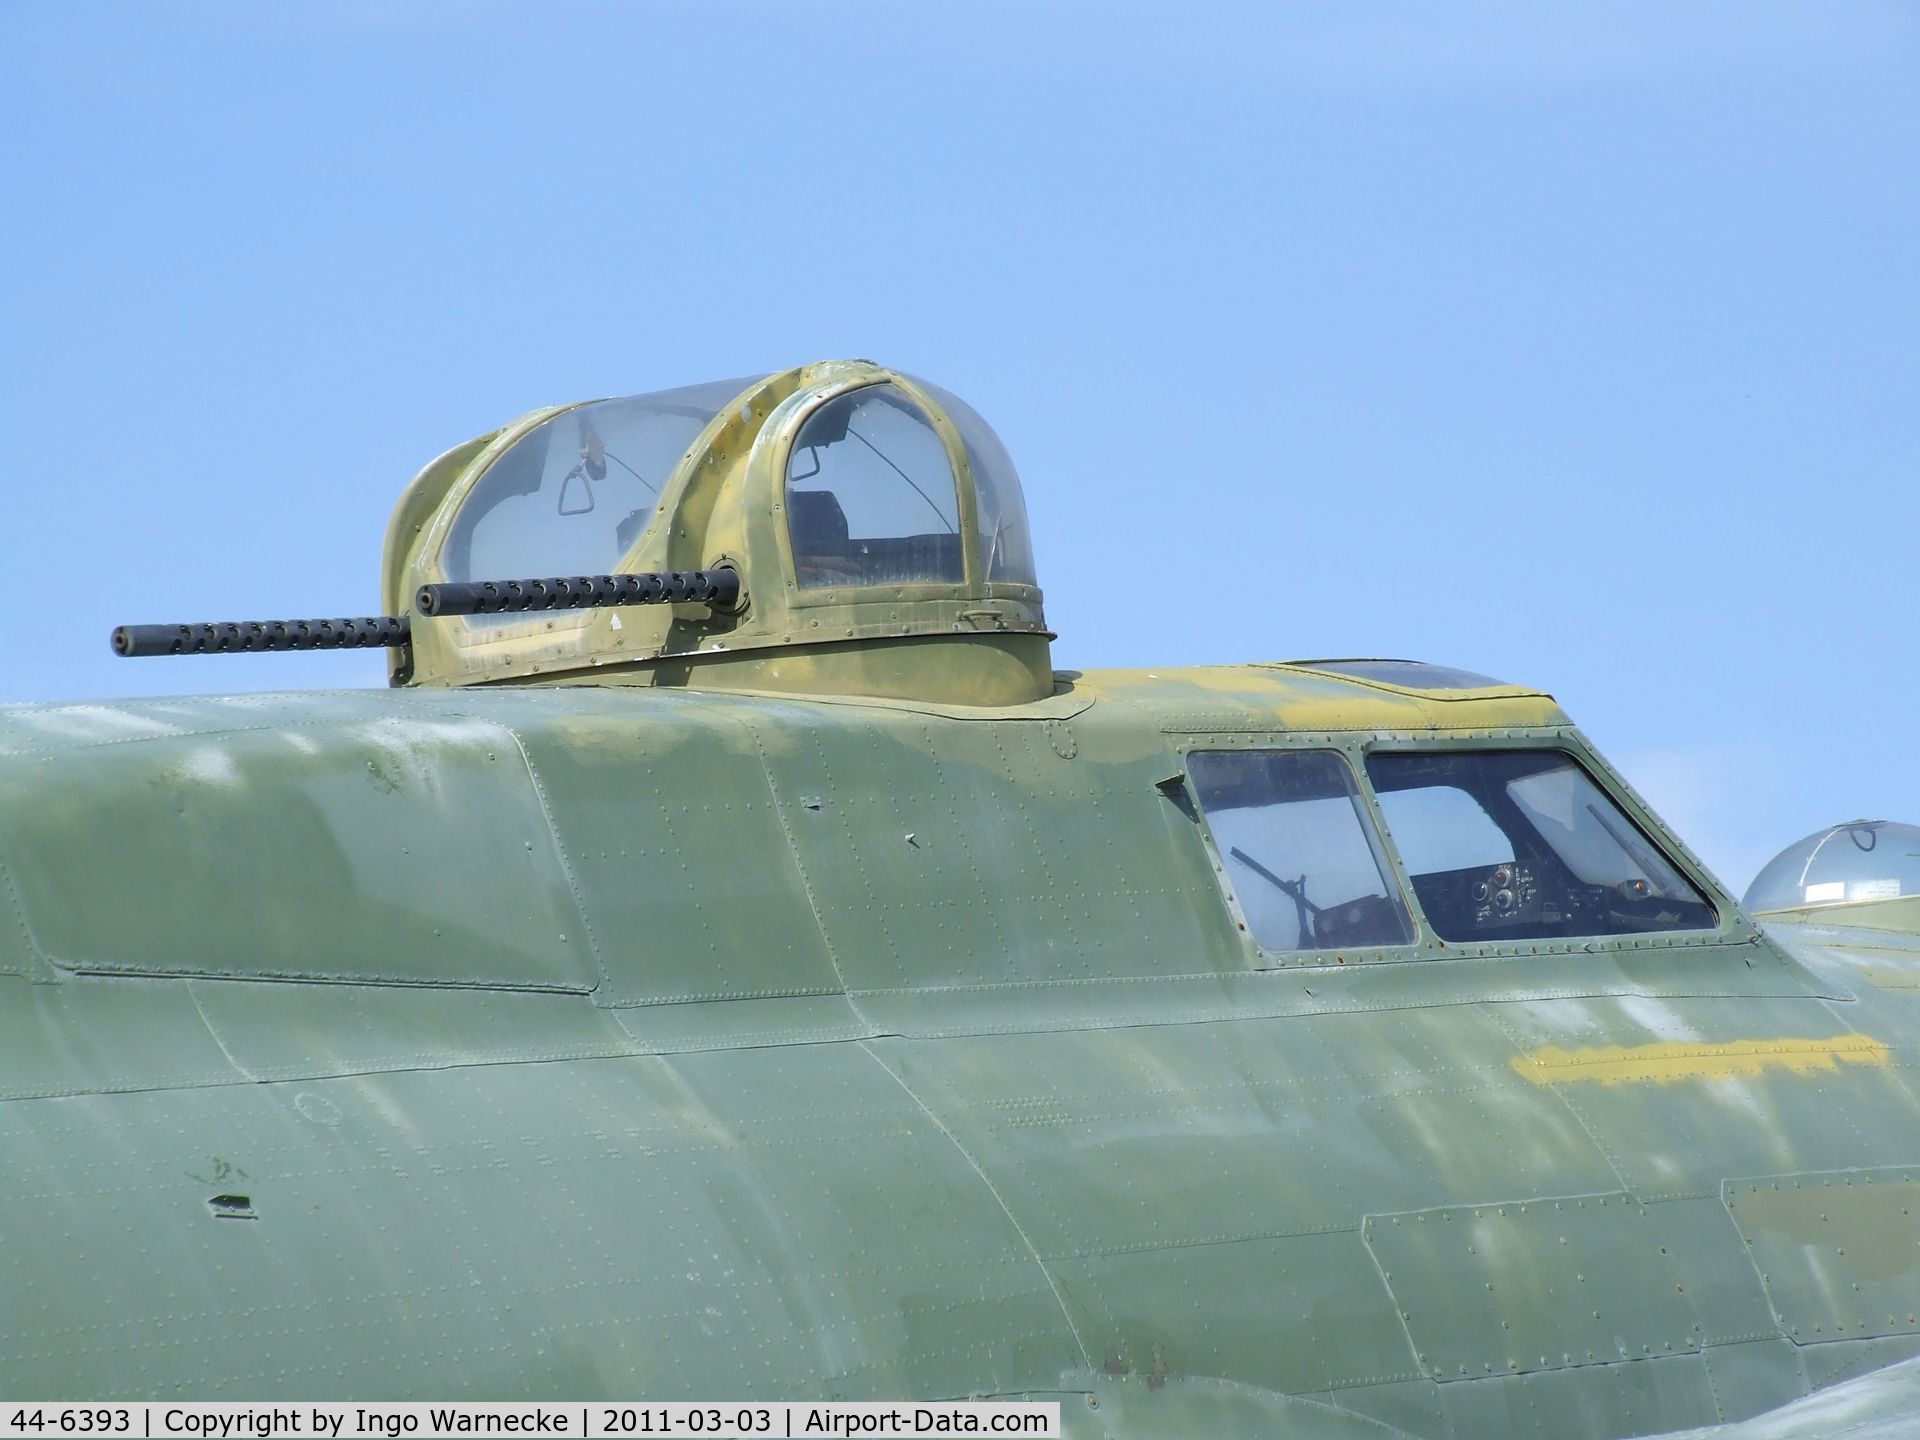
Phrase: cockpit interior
(1495, 845)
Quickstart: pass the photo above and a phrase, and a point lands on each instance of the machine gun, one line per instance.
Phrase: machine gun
(718, 588)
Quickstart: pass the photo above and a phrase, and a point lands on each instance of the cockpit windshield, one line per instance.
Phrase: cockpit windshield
(572, 495)
(1523, 845)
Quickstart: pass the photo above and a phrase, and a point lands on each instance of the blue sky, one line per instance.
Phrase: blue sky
(1570, 342)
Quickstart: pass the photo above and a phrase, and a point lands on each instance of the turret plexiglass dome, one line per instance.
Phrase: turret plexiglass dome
(1841, 865)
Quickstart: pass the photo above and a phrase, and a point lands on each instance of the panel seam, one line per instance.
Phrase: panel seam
(1020, 1230)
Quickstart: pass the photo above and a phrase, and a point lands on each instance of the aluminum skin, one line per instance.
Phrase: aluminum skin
(685, 1027)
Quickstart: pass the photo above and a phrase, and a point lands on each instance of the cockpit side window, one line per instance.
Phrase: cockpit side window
(871, 495)
(1524, 845)
(1300, 853)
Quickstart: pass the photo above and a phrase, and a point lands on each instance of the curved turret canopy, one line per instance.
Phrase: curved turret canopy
(876, 523)
(1857, 863)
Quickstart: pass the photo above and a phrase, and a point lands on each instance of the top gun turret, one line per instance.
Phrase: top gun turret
(836, 528)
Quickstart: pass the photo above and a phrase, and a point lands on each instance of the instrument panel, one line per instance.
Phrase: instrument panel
(1517, 899)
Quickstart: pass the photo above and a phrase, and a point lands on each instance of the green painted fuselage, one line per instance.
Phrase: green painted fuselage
(578, 1042)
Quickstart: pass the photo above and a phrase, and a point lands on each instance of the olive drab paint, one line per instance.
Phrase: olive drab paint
(820, 997)
(724, 504)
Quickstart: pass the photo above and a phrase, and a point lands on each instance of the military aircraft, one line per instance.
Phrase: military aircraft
(741, 966)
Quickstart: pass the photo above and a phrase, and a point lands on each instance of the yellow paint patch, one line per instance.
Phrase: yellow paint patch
(1663, 1063)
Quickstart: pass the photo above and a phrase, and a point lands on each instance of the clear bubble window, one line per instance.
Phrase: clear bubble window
(871, 496)
(1841, 865)
(574, 494)
(1006, 547)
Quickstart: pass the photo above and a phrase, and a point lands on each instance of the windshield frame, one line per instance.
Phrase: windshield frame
(1639, 848)
(1368, 830)
(1734, 927)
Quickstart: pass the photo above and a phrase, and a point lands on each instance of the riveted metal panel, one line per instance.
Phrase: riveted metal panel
(1134, 1407)
(1728, 1300)
(755, 1223)
(393, 849)
(1838, 1252)
(282, 1031)
(1555, 1284)
(1683, 1092)
(88, 1035)
(1227, 698)
(1880, 1405)
(43, 732)
(940, 853)
(739, 1024)
(1292, 1313)
(1411, 1407)
(1891, 956)
(1842, 1360)
(1594, 1402)
(1877, 966)
(1755, 1376)
(1179, 997)
(1117, 1140)
(680, 856)
(986, 1201)
(19, 953)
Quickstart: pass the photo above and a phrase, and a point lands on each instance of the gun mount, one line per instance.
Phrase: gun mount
(720, 589)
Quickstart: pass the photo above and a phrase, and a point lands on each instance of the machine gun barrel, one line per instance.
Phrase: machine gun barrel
(718, 588)
(247, 635)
